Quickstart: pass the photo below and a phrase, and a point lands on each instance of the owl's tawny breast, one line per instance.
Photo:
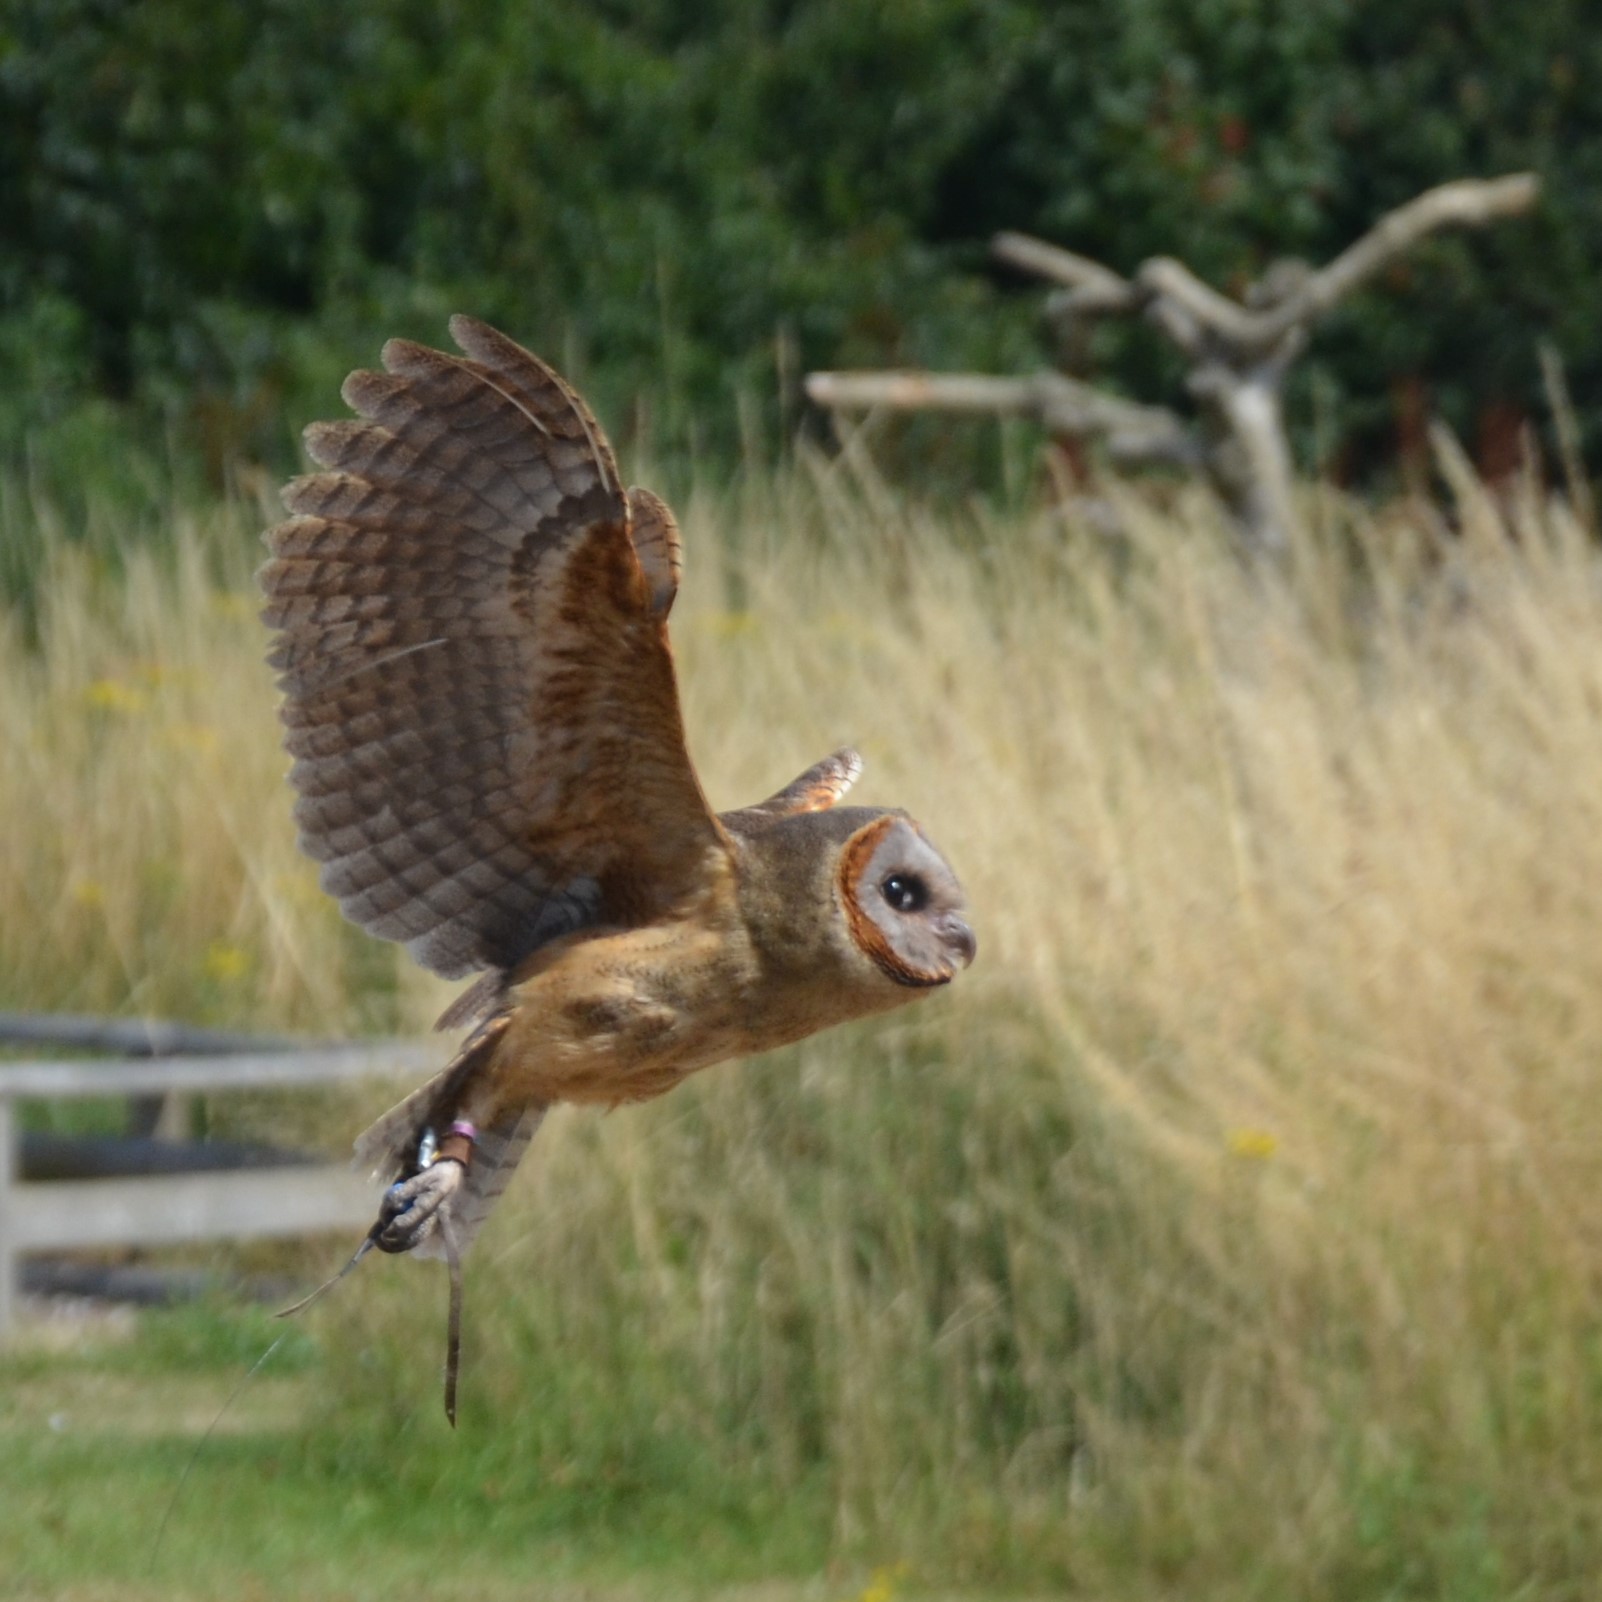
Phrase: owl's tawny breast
(626, 1016)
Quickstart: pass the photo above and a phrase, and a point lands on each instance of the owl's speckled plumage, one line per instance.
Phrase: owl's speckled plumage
(471, 616)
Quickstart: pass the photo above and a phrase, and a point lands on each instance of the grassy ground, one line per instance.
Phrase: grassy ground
(1228, 1232)
(135, 1466)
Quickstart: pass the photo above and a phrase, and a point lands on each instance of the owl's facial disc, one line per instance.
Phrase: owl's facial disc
(906, 909)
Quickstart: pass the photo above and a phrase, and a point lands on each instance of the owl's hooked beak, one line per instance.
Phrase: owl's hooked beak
(959, 939)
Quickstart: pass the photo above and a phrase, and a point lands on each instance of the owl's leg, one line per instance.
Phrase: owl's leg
(412, 1209)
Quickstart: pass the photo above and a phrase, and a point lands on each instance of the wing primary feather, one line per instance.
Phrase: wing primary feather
(494, 351)
(308, 680)
(816, 790)
(478, 687)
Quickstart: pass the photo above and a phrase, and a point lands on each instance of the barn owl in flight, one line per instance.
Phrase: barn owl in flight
(478, 694)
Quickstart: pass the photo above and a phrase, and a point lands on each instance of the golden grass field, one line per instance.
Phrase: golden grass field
(1231, 1230)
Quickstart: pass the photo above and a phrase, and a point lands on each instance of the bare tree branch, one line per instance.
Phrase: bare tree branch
(1239, 353)
(1467, 203)
(1092, 301)
(1077, 272)
(1153, 433)
(1162, 279)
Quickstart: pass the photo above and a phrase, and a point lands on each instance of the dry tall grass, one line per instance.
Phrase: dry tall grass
(1231, 1228)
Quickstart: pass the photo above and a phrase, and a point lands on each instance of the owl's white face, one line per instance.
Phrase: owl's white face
(904, 905)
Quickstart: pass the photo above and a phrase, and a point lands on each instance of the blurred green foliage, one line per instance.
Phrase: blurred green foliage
(213, 212)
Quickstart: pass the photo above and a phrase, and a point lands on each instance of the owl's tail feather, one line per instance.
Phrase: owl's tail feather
(389, 1147)
(496, 1154)
(393, 1149)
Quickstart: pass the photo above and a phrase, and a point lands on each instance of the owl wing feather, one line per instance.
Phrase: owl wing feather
(478, 688)
(816, 790)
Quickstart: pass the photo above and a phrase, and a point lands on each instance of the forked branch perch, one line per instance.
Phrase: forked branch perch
(1239, 352)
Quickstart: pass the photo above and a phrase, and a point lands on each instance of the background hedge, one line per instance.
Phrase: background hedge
(211, 212)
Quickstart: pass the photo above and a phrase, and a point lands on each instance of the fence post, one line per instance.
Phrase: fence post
(10, 1260)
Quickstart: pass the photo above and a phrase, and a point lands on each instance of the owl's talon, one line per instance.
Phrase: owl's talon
(410, 1210)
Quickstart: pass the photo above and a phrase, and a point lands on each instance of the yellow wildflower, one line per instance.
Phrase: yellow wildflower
(112, 695)
(225, 963)
(883, 1582)
(1253, 1145)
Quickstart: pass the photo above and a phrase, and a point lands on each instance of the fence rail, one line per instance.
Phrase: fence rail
(156, 1209)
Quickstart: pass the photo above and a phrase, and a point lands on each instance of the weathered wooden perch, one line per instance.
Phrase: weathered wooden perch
(1239, 353)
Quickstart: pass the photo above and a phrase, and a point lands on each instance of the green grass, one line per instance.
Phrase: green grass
(1227, 1233)
(149, 1466)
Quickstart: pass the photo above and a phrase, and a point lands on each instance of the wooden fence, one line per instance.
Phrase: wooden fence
(269, 1198)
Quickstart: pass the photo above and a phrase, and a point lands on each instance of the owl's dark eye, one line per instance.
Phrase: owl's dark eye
(906, 892)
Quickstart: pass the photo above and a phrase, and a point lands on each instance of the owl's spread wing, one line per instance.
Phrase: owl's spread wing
(816, 790)
(472, 643)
